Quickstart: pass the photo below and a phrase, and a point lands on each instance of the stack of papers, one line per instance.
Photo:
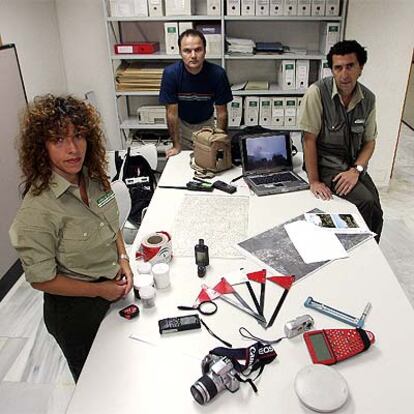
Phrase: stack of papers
(313, 243)
(270, 47)
(257, 85)
(241, 46)
(138, 76)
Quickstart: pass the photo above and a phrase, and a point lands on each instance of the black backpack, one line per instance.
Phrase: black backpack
(133, 167)
(249, 130)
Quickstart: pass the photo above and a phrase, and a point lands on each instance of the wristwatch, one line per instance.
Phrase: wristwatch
(359, 168)
(123, 256)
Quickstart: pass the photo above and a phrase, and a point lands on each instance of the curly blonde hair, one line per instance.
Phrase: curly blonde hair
(46, 119)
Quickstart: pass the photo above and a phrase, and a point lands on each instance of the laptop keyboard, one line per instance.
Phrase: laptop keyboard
(274, 178)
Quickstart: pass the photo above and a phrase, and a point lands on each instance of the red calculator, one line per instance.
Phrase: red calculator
(329, 346)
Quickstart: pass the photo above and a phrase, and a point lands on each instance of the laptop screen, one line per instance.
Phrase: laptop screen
(265, 152)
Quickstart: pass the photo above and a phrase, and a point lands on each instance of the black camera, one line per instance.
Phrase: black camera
(218, 375)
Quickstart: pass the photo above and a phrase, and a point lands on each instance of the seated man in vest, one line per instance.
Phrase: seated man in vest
(190, 89)
(339, 131)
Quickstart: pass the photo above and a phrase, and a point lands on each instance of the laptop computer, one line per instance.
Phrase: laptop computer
(267, 163)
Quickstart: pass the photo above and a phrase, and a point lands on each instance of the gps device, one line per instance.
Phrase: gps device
(201, 257)
(179, 323)
(329, 346)
(222, 186)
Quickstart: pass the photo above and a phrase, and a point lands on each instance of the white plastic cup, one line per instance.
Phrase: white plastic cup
(161, 274)
(143, 267)
(140, 281)
(147, 294)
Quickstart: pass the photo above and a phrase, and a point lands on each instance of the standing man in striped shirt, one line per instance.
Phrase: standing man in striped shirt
(191, 89)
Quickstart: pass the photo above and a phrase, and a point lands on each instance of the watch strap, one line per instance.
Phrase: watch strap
(123, 256)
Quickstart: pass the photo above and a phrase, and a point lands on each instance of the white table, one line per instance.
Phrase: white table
(154, 375)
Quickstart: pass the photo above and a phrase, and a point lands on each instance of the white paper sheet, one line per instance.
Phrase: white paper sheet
(314, 244)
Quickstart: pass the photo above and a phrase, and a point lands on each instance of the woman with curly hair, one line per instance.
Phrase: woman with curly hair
(67, 229)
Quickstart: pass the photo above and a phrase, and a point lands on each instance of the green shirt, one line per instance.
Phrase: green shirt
(310, 115)
(57, 233)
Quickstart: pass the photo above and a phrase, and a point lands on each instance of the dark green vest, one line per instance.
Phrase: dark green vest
(340, 138)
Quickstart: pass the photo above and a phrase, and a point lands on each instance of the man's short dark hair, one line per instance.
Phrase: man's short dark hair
(346, 47)
(194, 33)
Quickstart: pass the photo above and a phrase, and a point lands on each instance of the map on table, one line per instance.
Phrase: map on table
(275, 249)
(221, 221)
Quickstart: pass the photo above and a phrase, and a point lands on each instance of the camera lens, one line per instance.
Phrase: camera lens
(197, 395)
(204, 390)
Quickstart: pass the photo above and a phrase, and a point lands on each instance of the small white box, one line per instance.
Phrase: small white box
(318, 7)
(302, 73)
(183, 26)
(154, 115)
(290, 7)
(304, 7)
(278, 111)
(325, 69)
(290, 111)
(262, 7)
(213, 7)
(233, 7)
(155, 8)
(287, 74)
(265, 114)
(235, 111)
(178, 7)
(171, 38)
(276, 8)
(248, 8)
(251, 110)
(332, 7)
(128, 8)
(330, 33)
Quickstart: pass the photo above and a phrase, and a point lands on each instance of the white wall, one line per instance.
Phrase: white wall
(32, 26)
(86, 58)
(386, 29)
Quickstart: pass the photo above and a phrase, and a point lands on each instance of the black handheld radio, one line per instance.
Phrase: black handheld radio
(201, 257)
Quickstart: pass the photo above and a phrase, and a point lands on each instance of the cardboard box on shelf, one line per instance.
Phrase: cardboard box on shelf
(178, 7)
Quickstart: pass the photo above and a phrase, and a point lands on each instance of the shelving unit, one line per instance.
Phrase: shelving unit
(298, 32)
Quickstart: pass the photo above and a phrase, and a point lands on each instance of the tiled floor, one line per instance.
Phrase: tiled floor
(34, 377)
(397, 241)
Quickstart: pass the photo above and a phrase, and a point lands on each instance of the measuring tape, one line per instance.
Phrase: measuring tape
(156, 248)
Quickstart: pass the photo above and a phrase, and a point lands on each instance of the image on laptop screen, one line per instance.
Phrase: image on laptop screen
(267, 152)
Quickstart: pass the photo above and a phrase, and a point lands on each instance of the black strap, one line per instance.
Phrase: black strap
(249, 335)
(364, 337)
(248, 380)
(254, 356)
(118, 165)
(216, 336)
